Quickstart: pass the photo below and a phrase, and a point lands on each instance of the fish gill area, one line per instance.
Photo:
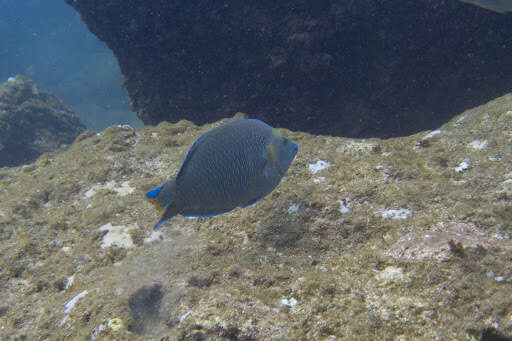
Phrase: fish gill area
(398, 239)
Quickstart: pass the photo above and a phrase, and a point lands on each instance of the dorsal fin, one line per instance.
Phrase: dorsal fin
(190, 152)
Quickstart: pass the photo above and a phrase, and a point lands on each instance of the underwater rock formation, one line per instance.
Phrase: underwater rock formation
(399, 239)
(32, 122)
(361, 68)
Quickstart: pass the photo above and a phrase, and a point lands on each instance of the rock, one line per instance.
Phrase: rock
(201, 280)
(361, 68)
(32, 122)
(261, 273)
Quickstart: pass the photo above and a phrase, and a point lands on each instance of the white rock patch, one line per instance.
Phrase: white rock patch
(290, 303)
(432, 134)
(184, 316)
(125, 126)
(390, 274)
(91, 191)
(345, 206)
(122, 190)
(478, 144)
(293, 208)
(401, 213)
(117, 236)
(125, 189)
(155, 236)
(73, 301)
(69, 282)
(459, 121)
(318, 166)
(462, 167)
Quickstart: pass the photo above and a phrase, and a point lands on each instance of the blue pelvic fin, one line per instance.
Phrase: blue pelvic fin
(153, 198)
(154, 192)
(162, 198)
(157, 225)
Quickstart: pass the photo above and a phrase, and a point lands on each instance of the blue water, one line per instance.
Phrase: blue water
(46, 41)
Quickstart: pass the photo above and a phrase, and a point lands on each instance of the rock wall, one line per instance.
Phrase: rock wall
(348, 68)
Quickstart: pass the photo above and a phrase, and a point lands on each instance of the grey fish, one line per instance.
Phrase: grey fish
(233, 165)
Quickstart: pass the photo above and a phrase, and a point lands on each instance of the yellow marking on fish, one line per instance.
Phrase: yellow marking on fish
(277, 133)
(271, 153)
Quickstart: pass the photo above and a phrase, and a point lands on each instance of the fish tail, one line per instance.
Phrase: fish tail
(162, 199)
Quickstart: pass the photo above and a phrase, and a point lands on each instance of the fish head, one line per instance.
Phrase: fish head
(281, 153)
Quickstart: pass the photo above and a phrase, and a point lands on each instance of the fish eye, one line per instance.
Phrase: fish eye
(284, 140)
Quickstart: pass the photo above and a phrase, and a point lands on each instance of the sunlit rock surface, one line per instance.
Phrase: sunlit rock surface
(32, 121)
(397, 241)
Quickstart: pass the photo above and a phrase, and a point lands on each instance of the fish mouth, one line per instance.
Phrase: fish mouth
(282, 171)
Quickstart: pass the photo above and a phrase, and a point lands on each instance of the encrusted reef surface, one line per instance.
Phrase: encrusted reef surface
(336, 67)
(32, 121)
(398, 239)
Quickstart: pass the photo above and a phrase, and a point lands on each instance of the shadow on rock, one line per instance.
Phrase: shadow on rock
(283, 235)
(145, 308)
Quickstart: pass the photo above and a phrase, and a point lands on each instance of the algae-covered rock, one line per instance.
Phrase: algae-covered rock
(32, 122)
(399, 239)
(353, 68)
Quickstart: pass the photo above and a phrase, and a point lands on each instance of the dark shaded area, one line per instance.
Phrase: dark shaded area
(355, 68)
(490, 334)
(32, 122)
(145, 307)
(283, 234)
(201, 279)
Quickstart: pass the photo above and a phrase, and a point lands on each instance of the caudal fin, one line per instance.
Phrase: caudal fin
(162, 198)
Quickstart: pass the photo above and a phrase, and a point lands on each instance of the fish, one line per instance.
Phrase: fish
(233, 165)
(498, 6)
